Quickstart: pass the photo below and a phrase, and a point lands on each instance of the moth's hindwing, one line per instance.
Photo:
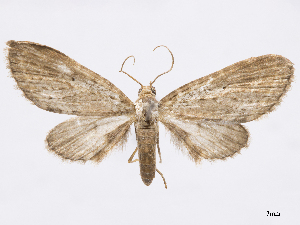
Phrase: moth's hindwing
(207, 139)
(88, 138)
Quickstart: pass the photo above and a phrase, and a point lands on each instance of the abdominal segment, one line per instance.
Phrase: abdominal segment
(146, 139)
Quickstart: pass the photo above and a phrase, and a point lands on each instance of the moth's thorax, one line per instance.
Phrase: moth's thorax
(146, 107)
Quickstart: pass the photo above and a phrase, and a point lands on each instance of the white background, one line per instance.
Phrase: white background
(36, 187)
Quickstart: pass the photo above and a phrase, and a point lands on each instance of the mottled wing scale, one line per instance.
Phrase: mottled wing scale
(57, 83)
(205, 115)
(88, 138)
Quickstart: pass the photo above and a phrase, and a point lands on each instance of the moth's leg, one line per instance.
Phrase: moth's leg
(158, 148)
(162, 177)
(131, 157)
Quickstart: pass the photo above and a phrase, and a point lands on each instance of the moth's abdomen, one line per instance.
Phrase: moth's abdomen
(146, 139)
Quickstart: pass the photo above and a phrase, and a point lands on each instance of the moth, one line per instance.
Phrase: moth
(204, 116)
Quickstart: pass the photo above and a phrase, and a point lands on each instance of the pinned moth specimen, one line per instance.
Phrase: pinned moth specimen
(204, 116)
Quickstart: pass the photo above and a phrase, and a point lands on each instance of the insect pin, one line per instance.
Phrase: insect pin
(203, 117)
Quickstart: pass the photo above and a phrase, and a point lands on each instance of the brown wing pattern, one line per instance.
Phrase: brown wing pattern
(57, 83)
(241, 92)
(88, 138)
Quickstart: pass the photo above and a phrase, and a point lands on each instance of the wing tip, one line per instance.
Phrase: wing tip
(288, 87)
(11, 43)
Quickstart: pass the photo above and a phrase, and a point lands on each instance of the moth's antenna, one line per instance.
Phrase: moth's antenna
(127, 73)
(169, 69)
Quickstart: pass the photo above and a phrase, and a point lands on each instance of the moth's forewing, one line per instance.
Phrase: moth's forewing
(205, 115)
(57, 83)
(239, 93)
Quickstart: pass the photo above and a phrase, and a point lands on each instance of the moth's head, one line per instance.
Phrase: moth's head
(147, 90)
